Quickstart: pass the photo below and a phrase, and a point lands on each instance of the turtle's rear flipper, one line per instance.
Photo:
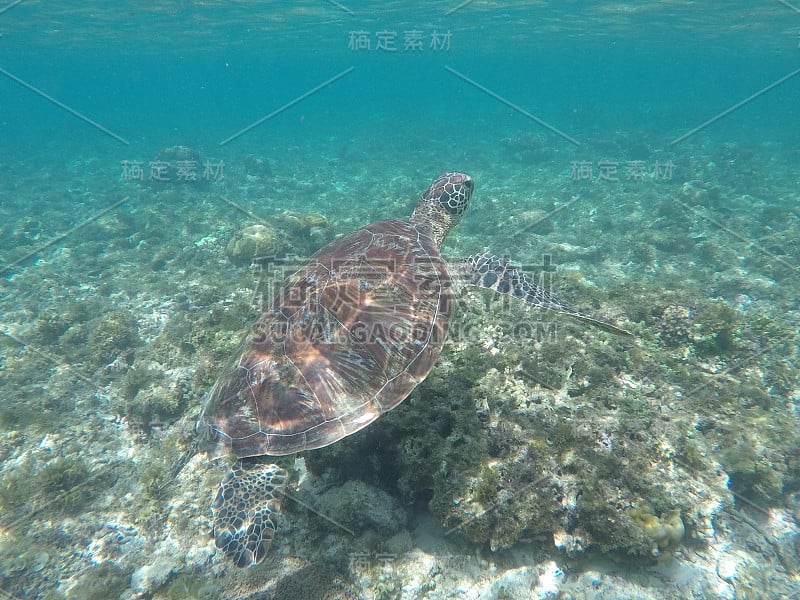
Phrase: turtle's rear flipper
(245, 511)
(495, 273)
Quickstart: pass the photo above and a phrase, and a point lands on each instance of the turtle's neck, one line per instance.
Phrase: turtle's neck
(435, 221)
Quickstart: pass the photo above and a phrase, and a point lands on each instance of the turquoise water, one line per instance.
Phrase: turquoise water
(649, 151)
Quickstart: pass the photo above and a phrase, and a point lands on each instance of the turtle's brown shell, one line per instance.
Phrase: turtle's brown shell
(348, 337)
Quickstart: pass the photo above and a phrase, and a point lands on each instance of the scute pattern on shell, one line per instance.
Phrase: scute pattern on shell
(348, 337)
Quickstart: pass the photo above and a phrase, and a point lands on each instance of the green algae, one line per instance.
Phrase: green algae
(160, 402)
(62, 475)
(611, 530)
(487, 485)
(720, 328)
(752, 473)
(49, 326)
(27, 403)
(157, 462)
(691, 451)
(145, 400)
(153, 405)
(114, 333)
(137, 379)
(97, 341)
(496, 483)
(61, 478)
(523, 505)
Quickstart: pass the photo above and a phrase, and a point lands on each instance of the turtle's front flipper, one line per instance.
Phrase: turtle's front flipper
(495, 273)
(245, 511)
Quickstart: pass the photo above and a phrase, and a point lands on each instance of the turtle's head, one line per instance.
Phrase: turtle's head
(443, 204)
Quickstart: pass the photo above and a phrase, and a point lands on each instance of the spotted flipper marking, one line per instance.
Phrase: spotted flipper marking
(495, 273)
(245, 511)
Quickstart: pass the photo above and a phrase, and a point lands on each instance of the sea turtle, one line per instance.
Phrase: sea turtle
(347, 338)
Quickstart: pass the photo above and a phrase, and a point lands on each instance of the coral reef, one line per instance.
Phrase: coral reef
(308, 232)
(538, 455)
(675, 325)
(255, 241)
(112, 334)
(564, 443)
(664, 532)
(360, 506)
